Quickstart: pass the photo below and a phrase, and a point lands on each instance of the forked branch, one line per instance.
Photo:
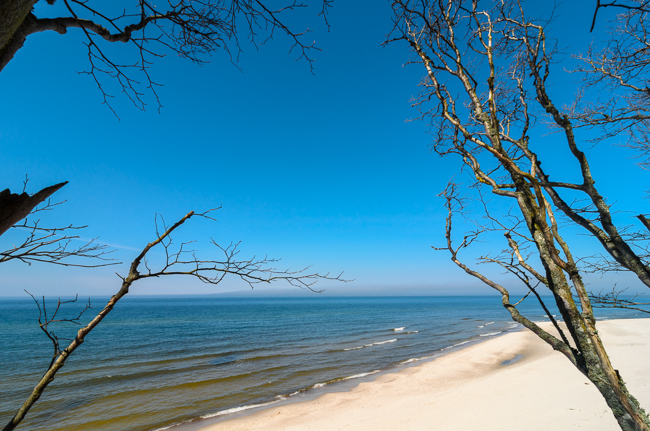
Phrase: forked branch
(453, 204)
(178, 261)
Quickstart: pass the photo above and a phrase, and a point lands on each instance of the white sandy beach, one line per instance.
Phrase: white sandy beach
(470, 390)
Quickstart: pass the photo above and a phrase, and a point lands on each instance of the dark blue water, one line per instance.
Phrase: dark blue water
(154, 362)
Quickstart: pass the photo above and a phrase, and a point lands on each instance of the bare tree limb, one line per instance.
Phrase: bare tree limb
(15, 207)
(640, 6)
(178, 261)
(191, 29)
(498, 62)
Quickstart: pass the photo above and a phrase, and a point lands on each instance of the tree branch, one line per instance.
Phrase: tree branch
(251, 270)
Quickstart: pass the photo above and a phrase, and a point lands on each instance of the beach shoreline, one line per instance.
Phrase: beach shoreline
(343, 384)
(514, 381)
(222, 356)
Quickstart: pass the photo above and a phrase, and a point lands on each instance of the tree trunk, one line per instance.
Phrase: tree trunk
(13, 27)
(627, 411)
(593, 360)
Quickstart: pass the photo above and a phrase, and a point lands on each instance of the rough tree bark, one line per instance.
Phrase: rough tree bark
(482, 64)
(14, 27)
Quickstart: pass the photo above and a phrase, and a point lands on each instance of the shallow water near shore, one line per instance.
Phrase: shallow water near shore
(156, 362)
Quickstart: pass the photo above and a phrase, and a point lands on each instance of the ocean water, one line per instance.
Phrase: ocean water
(156, 362)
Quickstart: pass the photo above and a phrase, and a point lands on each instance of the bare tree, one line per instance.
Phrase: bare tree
(15, 207)
(616, 299)
(59, 245)
(619, 68)
(614, 101)
(638, 5)
(178, 260)
(486, 86)
(192, 29)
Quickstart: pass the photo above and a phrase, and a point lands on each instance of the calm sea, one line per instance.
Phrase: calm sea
(155, 362)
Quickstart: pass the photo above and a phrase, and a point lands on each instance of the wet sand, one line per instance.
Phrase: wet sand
(512, 382)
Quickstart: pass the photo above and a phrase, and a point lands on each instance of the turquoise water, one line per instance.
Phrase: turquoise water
(155, 362)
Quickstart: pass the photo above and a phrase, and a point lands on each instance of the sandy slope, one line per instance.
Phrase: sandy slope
(471, 390)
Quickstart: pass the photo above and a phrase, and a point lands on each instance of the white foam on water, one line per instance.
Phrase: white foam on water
(383, 342)
(356, 376)
(371, 344)
(228, 411)
(400, 329)
(408, 361)
(412, 332)
(320, 385)
(236, 409)
(490, 334)
(455, 345)
(314, 386)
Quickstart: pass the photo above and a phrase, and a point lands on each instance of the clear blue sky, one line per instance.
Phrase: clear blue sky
(317, 169)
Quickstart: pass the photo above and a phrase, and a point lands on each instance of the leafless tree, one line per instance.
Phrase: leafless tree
(15, 207)
(633, 5)
(56, 245)
(192, 29)
(616, 299)
(614, 101)
(486, 87)
(46, 323)
(179, 260)
(618, 73)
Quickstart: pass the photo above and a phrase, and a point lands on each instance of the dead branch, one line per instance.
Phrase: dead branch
(453, 204)
(15, 207)
(191, 29)
(615, 299)
(485, 122)
(55, 245)
(641, 5)
(179, 260)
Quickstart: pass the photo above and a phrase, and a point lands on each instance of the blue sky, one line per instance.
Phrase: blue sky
(319, 169)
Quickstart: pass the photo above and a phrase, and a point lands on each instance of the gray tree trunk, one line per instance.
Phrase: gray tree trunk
(592, 359)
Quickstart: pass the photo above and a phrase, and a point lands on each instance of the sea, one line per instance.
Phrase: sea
(178, 363)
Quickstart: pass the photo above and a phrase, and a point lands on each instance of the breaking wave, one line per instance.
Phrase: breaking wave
(371, 344)
(322, 384)
(486, 324)
(237, 409)
(455, 345)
